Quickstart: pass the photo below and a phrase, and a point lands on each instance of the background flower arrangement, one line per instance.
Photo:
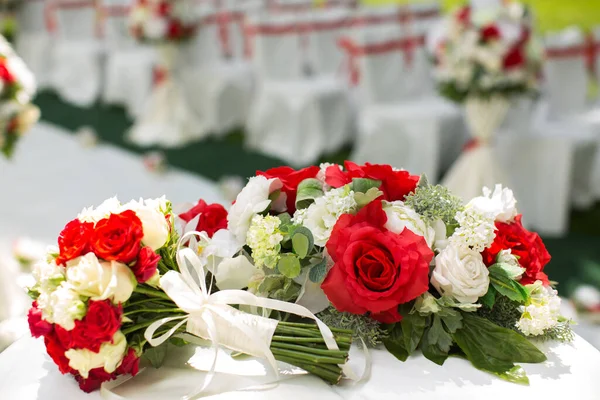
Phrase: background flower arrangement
(160, 21)
(17, 88)
(487, 51)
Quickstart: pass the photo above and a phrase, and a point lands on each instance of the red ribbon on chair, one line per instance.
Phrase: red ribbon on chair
(354, 51)
(53, 5)
(223, 20)
(590, 50)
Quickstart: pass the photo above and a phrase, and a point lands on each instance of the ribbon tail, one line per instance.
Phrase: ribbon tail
(149, 333)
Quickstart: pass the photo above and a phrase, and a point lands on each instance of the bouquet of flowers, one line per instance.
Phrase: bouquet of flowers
(101, 296)
(396, 260)
(485, 52)
(17, 88)
(163, 20)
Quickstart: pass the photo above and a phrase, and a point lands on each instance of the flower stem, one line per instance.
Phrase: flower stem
(155, 310)
(152, 292)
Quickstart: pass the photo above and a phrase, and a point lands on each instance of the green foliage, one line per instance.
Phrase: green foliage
(308, 191)
(302, 242)
(560, 332)
(279, 287)
(364, 327)
(434, 202)
(505, 285)
(318, 271)
(156, 355)
(505, 312)
(492, 348)
(363, 185)
(459, 94)
(289, 265)
(489, 298)
(362, 199)
(8, 147)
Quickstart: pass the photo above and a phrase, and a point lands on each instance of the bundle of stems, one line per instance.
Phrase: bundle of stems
(295, 343)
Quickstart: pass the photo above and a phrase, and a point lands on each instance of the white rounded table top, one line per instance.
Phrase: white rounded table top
(27, 373)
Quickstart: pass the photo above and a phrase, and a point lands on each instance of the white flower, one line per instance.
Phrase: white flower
(587, 296)
(62, 306)
(212, 251)
(27, 250)
(541, 312)
(155, 225)
(400, 216)
(441, 236)
(48, 275)
(109, 206)
(155, 28)
(510, 264)
(110, 356)
(101, 280)
(252, 200)
(321, 216)
(501, 203)
(460, 273)
(476, 229)
(264, 239)
(234, 273)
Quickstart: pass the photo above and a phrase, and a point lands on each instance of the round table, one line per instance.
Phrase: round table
(27, 373)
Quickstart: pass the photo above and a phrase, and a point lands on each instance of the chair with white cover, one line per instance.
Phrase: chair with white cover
(77, 51)
(218, 78)
(402, 121)
(33, 43)
(128, 73)
(292, 116)
(564, 110)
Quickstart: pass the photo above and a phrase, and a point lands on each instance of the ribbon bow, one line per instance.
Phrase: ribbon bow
(211, 316)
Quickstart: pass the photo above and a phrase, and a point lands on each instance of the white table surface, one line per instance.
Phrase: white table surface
(27, 373)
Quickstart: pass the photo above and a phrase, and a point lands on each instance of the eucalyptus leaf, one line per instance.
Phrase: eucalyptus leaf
(289, 265)
(156, 355)
(308, 191)
(286, 221)
(394, 343)
(302, 242)
(363, 185)
(362, 199)
(318, 272)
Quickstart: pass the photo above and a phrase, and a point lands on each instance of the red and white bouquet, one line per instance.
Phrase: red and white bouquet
(103, 295)
(484, 51)
(397, 261)
(17, 88)
(163, 20)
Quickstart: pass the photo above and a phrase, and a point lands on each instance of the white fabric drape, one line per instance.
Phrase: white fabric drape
(478, 167)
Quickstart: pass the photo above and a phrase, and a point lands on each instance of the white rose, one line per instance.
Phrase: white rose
(110, 356)
(63, 306)
(109, 206)
(234, 273)
(101, 280)
(155, 225)
(400, 216)
(48, 275)
(253, 199)
(441, 235)
(460, 273)
(501, 203)
(155, 28)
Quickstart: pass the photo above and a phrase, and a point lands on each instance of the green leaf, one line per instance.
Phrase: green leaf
(423, 181)
(271, 283)
(394, 343)
(286, 222)
(308, 191)
(515, 375)
(413, 327)
(289, 265)
(179, 342)
(506, 286)
(489, 299)
(363, 185)
(318, 271)
(493, 348)
(156, 355)
(431, 350)
(438, 336)
(302, 241)
(362, 199)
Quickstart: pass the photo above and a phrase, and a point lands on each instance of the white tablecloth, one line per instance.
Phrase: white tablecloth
(26, 373)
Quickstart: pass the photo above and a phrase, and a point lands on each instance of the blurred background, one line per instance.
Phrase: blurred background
(265, 83)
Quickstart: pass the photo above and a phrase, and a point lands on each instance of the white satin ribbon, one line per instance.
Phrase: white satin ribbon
(211, 316)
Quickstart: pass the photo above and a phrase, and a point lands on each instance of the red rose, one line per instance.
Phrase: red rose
(164, 9)
(464, 15)
(490, 32)
(515, 58)
(175, 30)
(146, 264)
(97, 327)
(290, 178)
(5, 75)
(212, 218)
(37, 325)
(130, 364)
(118, 237)
(56, 351)
(528, 246)
(395, 185)
(375, 270)
(95, 378)
(74, 240)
